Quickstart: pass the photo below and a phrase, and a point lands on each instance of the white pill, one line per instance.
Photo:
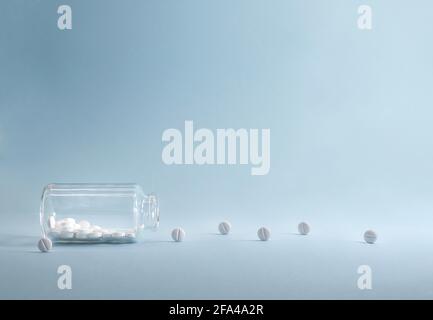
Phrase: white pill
(53, 234)
(45, 244)
(96, 228)
(107, 235)
(84, 224)
(66, 235)
(81, 235)
(264, 234)
(57, 230)
(303, 228)
(64, 224)
(69, 221)
(224, 227)
(130, 235)
(67, 228)
(178, 234)
(118, 235)
(51, 222)
(94, 235)
(370, 236)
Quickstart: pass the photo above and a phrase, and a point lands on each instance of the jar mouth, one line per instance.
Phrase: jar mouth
(154, 209)
(150, 212)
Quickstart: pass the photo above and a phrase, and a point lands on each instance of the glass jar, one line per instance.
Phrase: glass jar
(97, 213)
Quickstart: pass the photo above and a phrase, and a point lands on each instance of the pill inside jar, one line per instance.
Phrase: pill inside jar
(97, 213)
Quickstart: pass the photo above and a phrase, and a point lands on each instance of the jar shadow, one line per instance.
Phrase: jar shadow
(14, 240)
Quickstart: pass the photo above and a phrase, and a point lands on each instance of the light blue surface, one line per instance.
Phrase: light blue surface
(351, 142)
(206, 265)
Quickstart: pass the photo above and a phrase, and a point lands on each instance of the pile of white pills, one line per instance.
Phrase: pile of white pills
(68, 230)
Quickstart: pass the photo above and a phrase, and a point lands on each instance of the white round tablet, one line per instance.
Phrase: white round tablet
(54, 234)
(69, 221)
(224, 227)
(264, 234)
(370, 236)
(67, 228)
(303, 228)
(178, 234)
(66, 235)
(45, 244)
(130, 235)
(51, 222)
(81, 235)
(107, 236)
(84, 224)
(118, 235)
(94, 235)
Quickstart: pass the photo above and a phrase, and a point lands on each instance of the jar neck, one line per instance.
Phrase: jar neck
(148, 215)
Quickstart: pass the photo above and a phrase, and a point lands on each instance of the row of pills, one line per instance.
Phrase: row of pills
(264, 233)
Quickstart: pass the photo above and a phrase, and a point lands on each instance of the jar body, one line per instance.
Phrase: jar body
(97, 213)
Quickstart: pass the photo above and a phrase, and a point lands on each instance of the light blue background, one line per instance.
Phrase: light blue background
(349, 111)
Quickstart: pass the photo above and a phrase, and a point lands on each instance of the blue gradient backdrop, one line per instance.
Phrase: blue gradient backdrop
(350, 111)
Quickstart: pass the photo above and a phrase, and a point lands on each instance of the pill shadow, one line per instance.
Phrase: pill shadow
(216, 234)
(362, 242)
(157, 241)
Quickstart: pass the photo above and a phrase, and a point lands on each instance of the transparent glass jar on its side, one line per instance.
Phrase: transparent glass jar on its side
(97, 213)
